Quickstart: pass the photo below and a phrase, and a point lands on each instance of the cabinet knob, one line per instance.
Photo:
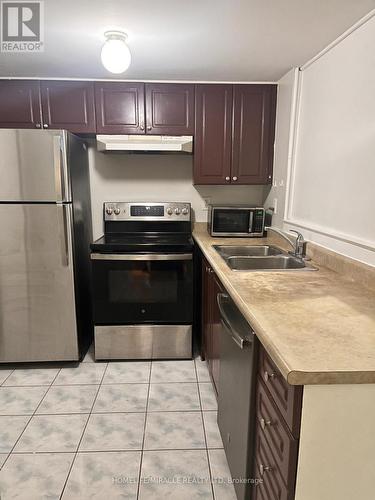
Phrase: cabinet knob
(142, 127)
(270, 177)
(45, 125)
(149, 127)
(38, 125)
(268, 376)
(227, 178)
(264, 468)
(234, 178)
(264, 423)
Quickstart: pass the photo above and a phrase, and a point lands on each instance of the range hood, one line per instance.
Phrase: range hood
(161, 143)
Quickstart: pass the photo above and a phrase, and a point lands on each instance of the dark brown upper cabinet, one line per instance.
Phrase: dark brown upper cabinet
(68, 105)
(169, 109)
(254, 108)
(213, 134)
(234, 134)
(20, 104)
(120, 108)
(137, 108)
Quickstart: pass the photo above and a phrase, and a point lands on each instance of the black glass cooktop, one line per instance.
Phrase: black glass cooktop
(145, 243)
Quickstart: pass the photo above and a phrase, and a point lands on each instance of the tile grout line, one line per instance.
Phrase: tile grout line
(116, 450)
(144, 432)
(31, 416)
(204, 432)
(6, 378)
(102, 412)
(83, 432)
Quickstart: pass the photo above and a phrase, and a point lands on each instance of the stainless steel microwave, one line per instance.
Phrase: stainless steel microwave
(236, 220)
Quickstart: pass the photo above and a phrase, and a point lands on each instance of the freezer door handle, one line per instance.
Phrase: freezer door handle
(241, 341)
(60, 167)
(63, 234)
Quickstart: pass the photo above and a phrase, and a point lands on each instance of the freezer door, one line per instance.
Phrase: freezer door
(37, 303)
(33, 165)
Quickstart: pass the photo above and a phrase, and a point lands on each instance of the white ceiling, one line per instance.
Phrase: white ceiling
(232, 40)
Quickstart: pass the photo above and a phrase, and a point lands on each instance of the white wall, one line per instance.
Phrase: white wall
(284, 112)
(154, 177)
(336, 451)
(332, 184)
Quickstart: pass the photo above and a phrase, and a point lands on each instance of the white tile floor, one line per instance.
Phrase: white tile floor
(111, 430)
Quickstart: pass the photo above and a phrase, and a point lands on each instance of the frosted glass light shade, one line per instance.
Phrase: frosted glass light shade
(115, 53)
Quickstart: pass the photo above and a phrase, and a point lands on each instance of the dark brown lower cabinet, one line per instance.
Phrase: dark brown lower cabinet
(277, 408)
(211, 323)
(276, 448)
(271, 485)
(288, 398)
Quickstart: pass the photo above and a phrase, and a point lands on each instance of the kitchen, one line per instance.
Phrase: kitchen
(187, 266)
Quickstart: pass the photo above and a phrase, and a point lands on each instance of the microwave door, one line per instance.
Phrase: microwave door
(231, 222)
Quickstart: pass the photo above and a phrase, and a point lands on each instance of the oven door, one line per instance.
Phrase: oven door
(133, 289)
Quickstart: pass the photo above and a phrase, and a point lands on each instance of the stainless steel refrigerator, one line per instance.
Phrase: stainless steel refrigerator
(45, 232)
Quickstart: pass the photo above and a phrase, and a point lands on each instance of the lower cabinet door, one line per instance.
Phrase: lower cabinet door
(270, 483)
(272, 426)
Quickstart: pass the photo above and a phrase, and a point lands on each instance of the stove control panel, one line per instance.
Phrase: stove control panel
(121, 210)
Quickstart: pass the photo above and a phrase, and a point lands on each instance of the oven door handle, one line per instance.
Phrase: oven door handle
(151, 256)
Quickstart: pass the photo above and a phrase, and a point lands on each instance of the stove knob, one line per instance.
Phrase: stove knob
(117, 211)
(169, 211)
(185, 211)
(109, 211)
(177, 211)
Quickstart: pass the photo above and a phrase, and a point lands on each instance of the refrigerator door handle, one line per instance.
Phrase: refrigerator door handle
(59, 158)
(63, 230)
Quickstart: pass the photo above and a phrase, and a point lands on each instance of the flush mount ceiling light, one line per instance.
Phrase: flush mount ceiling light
(115, 53)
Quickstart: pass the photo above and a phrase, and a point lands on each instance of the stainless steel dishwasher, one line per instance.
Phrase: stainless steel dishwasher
(236, 408)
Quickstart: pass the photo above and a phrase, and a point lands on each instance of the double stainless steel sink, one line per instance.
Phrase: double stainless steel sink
(261, 258)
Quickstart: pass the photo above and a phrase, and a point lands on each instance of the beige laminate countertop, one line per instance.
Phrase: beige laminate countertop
(318, 327)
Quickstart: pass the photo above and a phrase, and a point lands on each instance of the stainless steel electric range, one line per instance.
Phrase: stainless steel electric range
(142, 272)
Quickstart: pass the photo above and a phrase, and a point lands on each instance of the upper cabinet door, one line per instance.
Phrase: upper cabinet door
(254, 112)
(213, 129)
(120, 108)
(20, 104)
(170, 109)
(68, 105)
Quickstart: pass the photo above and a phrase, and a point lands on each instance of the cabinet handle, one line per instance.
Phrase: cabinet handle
(264, 423)
(37, 125)
(45, 125)
(227, 178)
(234, 178)
(268, 376)
(264, 468)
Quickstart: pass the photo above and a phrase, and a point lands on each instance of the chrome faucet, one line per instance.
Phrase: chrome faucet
(299, 246)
